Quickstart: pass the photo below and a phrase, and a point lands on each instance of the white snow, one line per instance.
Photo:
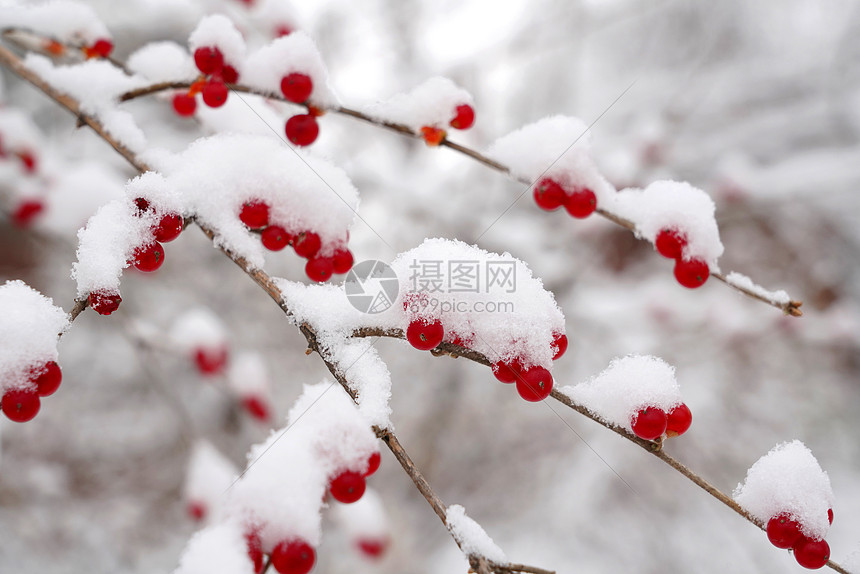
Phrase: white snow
(209, 476)
(248, 375)
(297, 52)
(163, 62)
(218, 31)
(30, 325)
(75, 194)
(364, 519)
(738, 280)
(626, 386)
(471, 537)
(198, 328)
(217, 548)
(64, 20)
(788, 480)
(18, 132)
(676, 205)
(432, 103)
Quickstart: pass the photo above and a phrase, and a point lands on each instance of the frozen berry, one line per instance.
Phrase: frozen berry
(433, 136)
(256, 407)
(208, 60)
(47, 379)
(342, 261)
(425, 335)
(812, 554)
(297, 87)
(255, 214)
(581, 203)
(211, 361)
(255, 550)
(102, 48)
(670, 243)
(691, 273)
(347, 487)
(275, 238)
(169, 227)
(783, 532)
(149, 257)
(282, 30)
(678, 420)
(142, 206)
(465, 117)
(54, 48)
(20, 405)
(215, 93)
(28, 160)
(649, 423)
(26, 212)
(302, 130)
(319, 269)
(196, 510)
(184, 105)
(507, 372)
(104, 302)
(229, 74)
(549, 195)
(372, 547)
(373, 462)
(830, 515)
(559, 345)
(307, 244)
(535, 384)
(293, 557)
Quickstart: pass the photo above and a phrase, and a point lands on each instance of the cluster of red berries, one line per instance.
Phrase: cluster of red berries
(255, 215)
(691, 272)
(212, 85)
(785, 533)
(302, 129)
(22, 404)
(101, 48)
(27, 209)
(464, 117)
(147, 258)
(533, 383)
(549, 195)
(650, 423)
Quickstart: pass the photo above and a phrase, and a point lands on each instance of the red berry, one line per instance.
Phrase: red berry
(196, 510)
(812, 554)
(211, 361)
(465, 117)
(26, 212)
(347, 487)
(302, 130)
(830, 515)
(433, 136)
(104, 302)
(559, 345)
(670, 243)
(691, 273)
(535, 384)
(373, 462)
(28, 160)
(215, 93)
(142, 206)
(306, 244)
(549, 195)
(229, 74)
(507, 372)
(47, 379)
(371, 547)
(581, 203)
(425, 335)
(102, 47)
(256, 407)
(319, 269)
(255, 214)
(282, 30)
(649, 423)
(184, 105)
(20, 405)
(783, 532)
(255, 550)
(342, 261)
(209, 60)
(149, 257)
(678, 420)
(275, 238)
(297, 87)
(293, 557)
(169, 227)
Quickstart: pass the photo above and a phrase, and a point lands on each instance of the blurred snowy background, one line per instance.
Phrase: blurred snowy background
(757, 103)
